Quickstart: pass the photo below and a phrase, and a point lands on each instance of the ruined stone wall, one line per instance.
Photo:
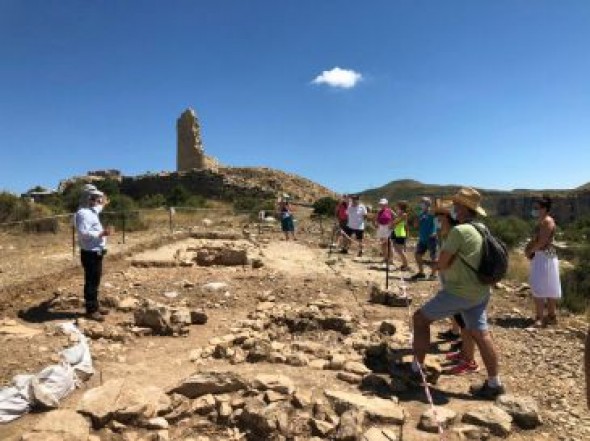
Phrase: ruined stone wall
(206, 183)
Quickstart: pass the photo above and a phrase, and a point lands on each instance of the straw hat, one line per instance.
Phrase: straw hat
(383, 201)
(470, 198)
(443, 206)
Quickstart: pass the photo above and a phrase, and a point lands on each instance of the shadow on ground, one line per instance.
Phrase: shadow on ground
(42, 313)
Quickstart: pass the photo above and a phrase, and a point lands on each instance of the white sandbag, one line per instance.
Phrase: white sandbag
(15, 400)
(52, 384)
(78, 355)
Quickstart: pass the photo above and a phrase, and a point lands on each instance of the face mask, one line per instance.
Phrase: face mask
(535, 212)
(453, 213)
(98, 208)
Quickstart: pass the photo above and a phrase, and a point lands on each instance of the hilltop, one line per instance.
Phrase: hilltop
(568, 204)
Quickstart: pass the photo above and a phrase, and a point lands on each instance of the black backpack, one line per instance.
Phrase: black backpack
(494, 257)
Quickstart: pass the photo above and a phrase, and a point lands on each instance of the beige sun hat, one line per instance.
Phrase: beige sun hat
(383, 201)
(443, 206)
(470, 198)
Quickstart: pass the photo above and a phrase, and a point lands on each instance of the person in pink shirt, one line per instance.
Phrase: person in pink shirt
(383, 223)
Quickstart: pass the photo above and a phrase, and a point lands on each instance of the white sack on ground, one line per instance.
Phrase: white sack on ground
(52, 384)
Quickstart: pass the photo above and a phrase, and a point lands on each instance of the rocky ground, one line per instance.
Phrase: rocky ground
(246, 337)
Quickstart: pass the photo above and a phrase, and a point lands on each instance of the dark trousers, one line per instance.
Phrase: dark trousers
(92, 263)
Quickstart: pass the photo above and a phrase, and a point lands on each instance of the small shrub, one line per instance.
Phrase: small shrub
(152, 201)
(518, 267)
(511, 230)
(196, 201)
(325, 206)
(122, 213)
(178, 197)
(253, 204)
(575, 283)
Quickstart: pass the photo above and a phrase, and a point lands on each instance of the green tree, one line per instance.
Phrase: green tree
(325, 206)
(108, 186)
(178, 196)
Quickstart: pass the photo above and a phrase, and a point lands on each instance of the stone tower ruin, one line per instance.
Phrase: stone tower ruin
(190, 153)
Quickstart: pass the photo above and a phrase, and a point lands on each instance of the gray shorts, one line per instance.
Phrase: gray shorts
(445, 304)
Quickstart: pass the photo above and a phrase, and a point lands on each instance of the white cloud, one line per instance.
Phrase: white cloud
(336, 77)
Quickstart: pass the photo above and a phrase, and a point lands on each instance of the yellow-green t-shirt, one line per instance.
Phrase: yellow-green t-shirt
(464, 241)
(400, 229)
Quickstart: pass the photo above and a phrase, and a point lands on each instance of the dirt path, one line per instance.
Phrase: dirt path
(544, 364)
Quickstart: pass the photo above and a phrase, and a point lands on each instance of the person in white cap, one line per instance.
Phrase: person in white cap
(92, 240)
(383, 223)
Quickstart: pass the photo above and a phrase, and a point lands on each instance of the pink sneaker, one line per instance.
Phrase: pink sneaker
(465, 367)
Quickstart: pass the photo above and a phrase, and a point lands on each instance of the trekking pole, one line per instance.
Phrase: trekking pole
(387, 262)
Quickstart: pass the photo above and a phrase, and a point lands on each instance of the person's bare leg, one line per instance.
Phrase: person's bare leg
(384, 249)
(400, 252)
(421, 341)
(551, 307)
(467, 345)
(485, 344)
(539, 310)
(419, 263)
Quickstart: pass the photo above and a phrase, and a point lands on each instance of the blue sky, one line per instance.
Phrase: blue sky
(494, 94)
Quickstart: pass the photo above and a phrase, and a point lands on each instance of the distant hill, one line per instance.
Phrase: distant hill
(409, 190)
(568, 205)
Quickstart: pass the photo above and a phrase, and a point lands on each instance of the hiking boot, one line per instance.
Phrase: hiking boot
(96, 316)
(433, 277)
(464, 367)
(418, 276)
(449, 335)
(486, 391)
(343, 251)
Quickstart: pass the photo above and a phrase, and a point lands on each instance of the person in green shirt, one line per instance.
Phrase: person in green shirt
(462, 292)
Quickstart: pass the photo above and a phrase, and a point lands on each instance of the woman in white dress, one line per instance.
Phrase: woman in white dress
(544, 275)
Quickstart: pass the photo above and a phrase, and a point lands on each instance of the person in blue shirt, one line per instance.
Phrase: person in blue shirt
(427, 239)
(92, 240)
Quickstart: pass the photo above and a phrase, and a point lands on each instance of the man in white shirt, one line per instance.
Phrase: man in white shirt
(355, 226)
(92, 240)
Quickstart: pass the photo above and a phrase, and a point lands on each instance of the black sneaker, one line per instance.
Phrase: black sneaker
(418, 276)
(448, 335)
(343, 251)
(486, 391)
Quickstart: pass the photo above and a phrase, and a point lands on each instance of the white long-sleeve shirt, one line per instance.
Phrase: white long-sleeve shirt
(89, 228)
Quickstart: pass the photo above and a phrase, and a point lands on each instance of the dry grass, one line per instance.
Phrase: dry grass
(518, 268)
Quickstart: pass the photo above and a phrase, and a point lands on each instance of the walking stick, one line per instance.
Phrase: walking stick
(387, 263)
